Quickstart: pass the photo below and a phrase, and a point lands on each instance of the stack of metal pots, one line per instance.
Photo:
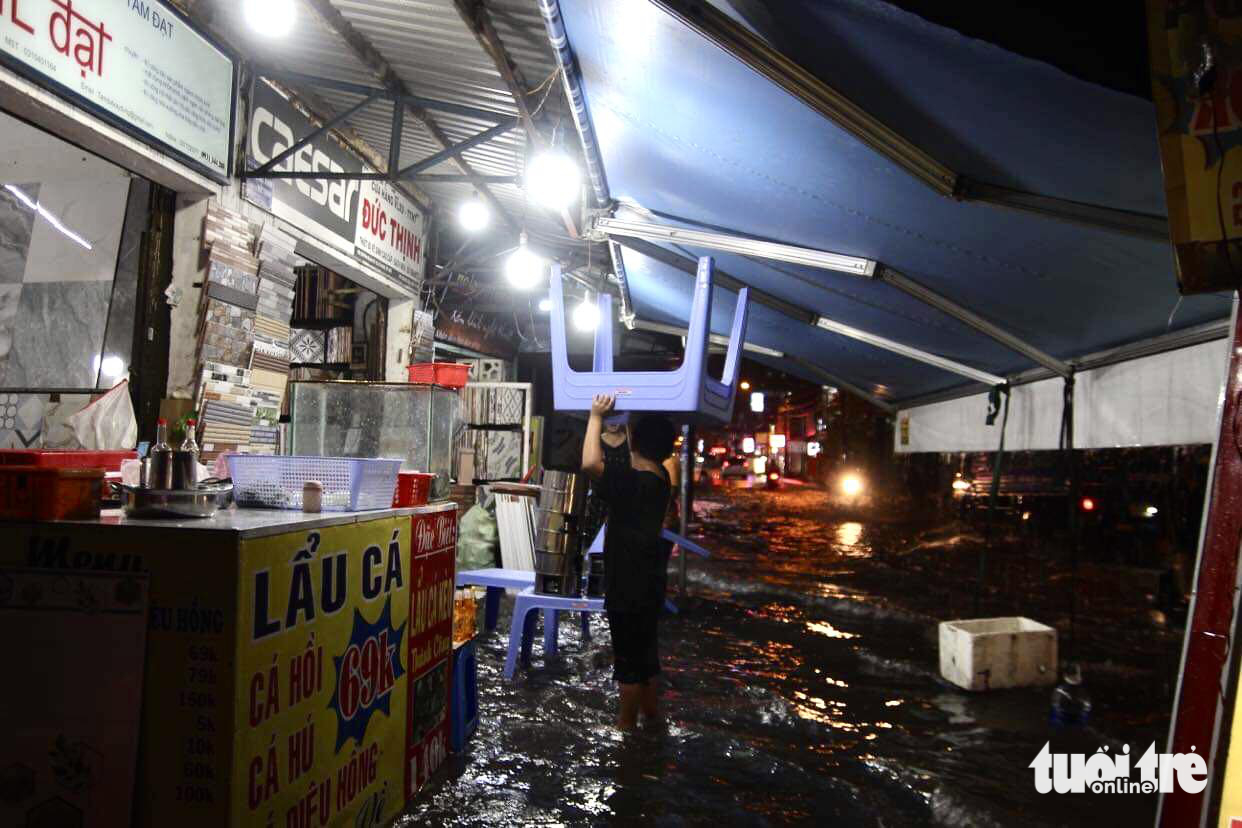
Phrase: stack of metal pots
(558, 539)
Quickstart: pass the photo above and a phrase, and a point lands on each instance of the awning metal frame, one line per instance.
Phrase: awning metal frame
(640, 236)
(916, 354)
(725, 242)
(268, 170)
(810, 317)
(751, 51)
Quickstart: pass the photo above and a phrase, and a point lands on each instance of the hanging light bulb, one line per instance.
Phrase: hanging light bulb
(545, 305)
(271, 18)
(524, 268)
(474, 215)
(552, 180)
(586, 315)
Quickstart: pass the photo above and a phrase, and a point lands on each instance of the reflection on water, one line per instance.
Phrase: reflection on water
(849, 534)
(794, 698)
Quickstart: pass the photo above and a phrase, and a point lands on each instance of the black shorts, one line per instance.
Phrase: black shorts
(635, 646)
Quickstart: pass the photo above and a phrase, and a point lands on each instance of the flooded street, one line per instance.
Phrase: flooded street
(803, 685)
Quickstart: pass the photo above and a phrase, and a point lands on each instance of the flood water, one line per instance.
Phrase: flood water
(795, 695)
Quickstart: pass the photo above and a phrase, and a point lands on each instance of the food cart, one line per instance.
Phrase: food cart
(297, 666)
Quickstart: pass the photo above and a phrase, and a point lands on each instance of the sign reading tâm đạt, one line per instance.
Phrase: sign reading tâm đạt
(136, 63)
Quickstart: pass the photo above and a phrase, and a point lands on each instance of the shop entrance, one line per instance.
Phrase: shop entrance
(81, 258)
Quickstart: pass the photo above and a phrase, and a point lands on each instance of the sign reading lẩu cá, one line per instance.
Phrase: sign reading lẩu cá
(137, 63)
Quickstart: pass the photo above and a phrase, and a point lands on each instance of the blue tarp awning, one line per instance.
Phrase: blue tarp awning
(696, 138)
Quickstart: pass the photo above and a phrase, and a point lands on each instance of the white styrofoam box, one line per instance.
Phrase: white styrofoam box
(993, 653)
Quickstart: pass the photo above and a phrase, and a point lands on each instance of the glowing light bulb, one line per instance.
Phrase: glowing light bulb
(474, 215)
(586, 316)
(545, 305)
(271, 18)
(553, 180)
(524, 268)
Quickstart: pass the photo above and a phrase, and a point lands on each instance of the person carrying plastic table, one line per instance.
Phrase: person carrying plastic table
(635, 557)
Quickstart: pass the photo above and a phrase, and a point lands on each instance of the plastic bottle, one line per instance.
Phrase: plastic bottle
(190, 444)
(1071, 704)
(161, 437)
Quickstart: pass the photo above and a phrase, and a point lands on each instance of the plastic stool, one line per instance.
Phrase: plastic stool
(522, 628)
(464, 703)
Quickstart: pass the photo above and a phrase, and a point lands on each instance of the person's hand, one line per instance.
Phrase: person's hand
(602, 404)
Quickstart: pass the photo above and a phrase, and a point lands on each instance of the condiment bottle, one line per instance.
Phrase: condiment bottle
(312, 496)
(190, 444)
(161, 437)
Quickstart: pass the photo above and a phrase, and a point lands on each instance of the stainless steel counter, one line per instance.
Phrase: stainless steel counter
(243, 522)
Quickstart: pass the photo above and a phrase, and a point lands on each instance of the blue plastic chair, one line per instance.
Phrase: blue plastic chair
(686, 390)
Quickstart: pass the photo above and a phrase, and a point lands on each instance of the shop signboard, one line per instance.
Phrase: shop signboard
(276, 687)
(1197, 88)
(320, 710)
(432, 585)
(138, 64)
(371, 221)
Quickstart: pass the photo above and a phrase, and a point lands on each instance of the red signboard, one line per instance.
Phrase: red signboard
(432, 565)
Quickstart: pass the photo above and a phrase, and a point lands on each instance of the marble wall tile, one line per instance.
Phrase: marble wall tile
(21, 420)
(92, 210)
(10, 299)
(58, 334)
(16, 224)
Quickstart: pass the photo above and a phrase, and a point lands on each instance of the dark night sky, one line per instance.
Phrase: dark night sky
(1105, 43)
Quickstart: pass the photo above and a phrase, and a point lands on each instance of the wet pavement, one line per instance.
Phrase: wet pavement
(803, 686)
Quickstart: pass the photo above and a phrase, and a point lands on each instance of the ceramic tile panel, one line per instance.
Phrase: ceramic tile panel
(21, 420)
(84, 247)
(16, 224)
(58, 333)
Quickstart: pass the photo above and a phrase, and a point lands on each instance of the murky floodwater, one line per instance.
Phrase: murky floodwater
(794, 696)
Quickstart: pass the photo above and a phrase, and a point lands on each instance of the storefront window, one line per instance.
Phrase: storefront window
(71, 230)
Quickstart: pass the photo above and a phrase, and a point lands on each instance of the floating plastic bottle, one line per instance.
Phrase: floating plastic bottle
(1071, 704)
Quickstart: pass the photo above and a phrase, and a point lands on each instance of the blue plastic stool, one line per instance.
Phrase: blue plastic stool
(522, 628)
(685, 390)
(496, 581)
(464, 704)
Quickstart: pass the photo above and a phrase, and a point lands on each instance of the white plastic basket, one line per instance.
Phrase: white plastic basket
(349, 483)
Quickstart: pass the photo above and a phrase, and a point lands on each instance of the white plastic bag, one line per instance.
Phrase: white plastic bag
(108, 424)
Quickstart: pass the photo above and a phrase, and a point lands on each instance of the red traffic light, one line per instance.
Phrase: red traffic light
(1087, 504)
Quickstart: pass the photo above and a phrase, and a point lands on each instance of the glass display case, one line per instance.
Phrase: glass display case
(417, 423)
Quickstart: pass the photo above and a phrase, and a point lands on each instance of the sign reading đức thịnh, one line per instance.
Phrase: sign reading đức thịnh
(138, 64)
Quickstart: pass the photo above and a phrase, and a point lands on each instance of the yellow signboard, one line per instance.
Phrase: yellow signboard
(1197, 88)
(276, 687)
(321, 699)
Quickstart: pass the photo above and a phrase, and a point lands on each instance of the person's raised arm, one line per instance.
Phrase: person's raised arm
(592, 446)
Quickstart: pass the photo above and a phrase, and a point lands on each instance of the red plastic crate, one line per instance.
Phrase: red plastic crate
(49, 493)
(413, 489)
(66, 458)
(447, 374)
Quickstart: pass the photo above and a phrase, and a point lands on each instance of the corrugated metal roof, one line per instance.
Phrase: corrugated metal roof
(434, 52)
